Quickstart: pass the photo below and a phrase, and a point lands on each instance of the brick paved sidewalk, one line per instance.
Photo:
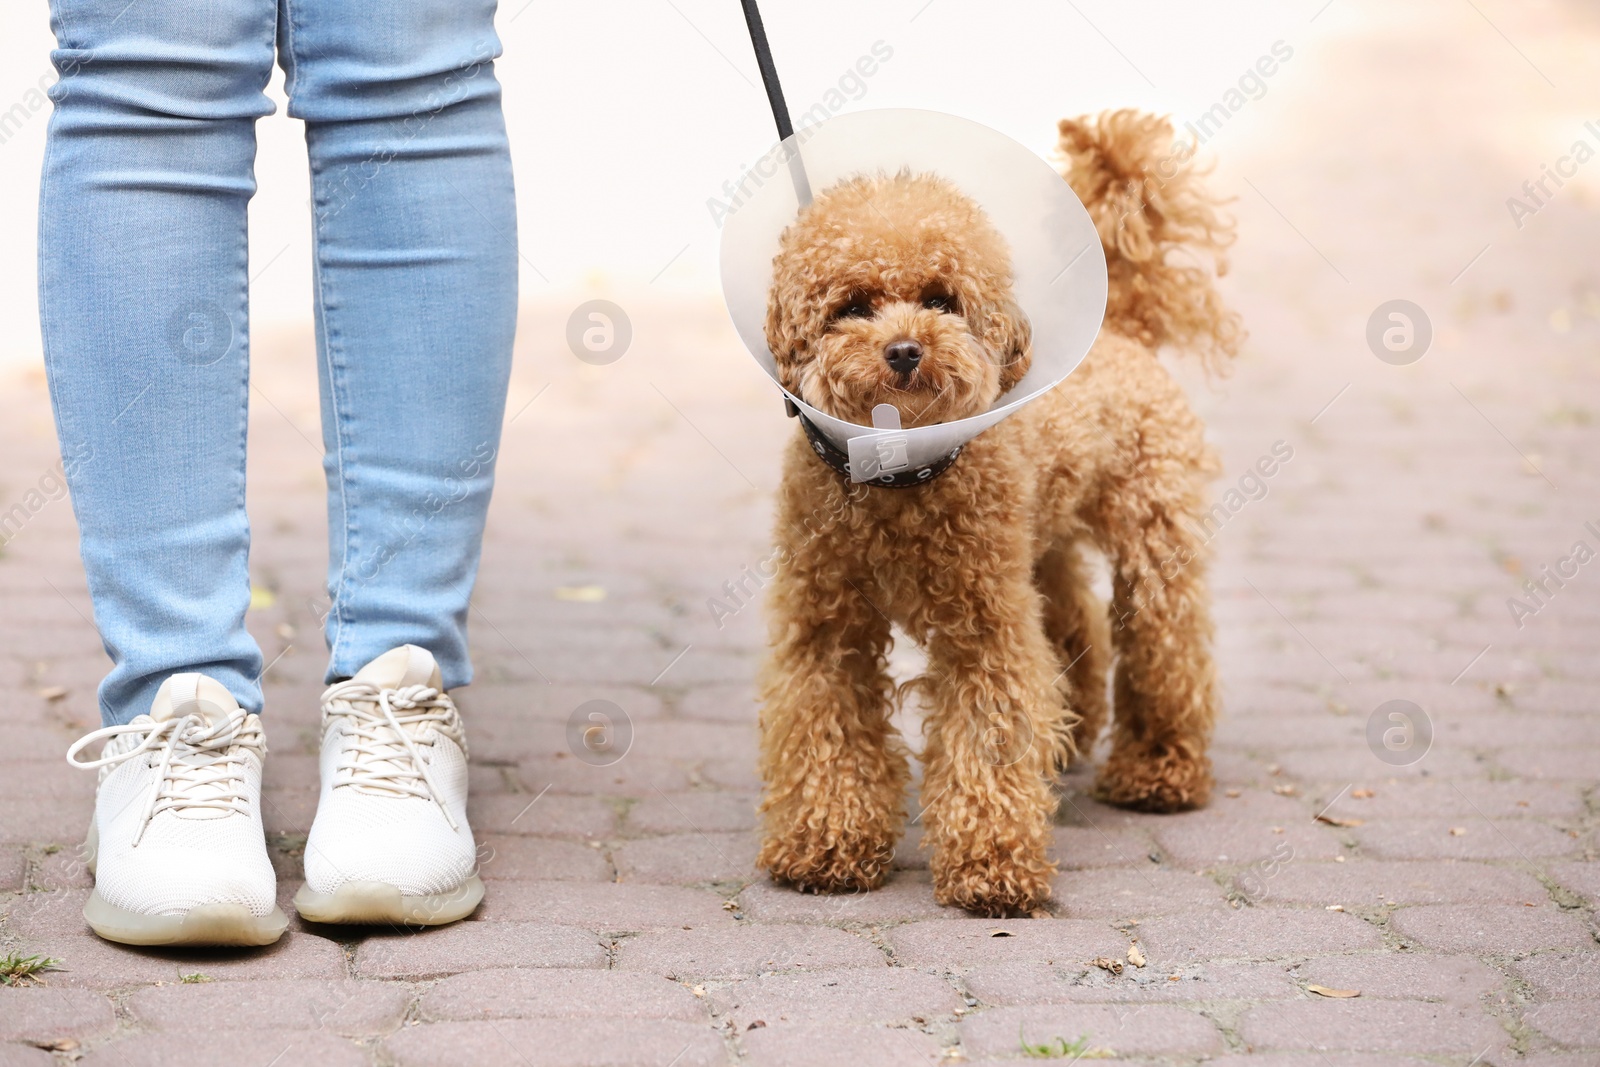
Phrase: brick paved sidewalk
(624, 924)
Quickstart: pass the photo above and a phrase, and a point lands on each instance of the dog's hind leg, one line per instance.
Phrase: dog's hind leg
(1165, 683)
(835, 769)
(1075, 622)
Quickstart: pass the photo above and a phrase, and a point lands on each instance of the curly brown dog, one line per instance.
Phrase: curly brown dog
(983, 565)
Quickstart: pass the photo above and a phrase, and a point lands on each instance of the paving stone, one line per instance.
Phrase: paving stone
(60, 867)
(905, 895)
(41, 741)
(469, 946)
(1266, 932)
(688, 740)
(695, 812)
(25, 1056)
(1493, 800)
(954, 943)
(1252, 828)
(1481, 928)
(856, 996)
(1478, 839)
(1572, 763)
(291, 771)
(288, 811)
(1545, 1059)
(560, 993)
(1523, 728)
(1087, 847)
(557, 1043)
(1562, 975)
(735, 774)
(1376, 882)
(602, 905)
(1575, 1024)
(525, 704)
(720, 703)
(42, 1015)
(1139, 892)
(227, 1048)
(51, 924)
(508, 856)
(811, 1045)
(1276, 730)
(350, 1008)
(1040, 983)
(1126, 1029)
(745, 950)
(13, 865)
(1372, 1026)
(550, 815)
(485, 777)
(909, 855)
(688, 859)
(44, 820)
(45, 778)
(1581, 878)
(1331, 1058)
(1355, 763)
(1404, 975)
(637, 775)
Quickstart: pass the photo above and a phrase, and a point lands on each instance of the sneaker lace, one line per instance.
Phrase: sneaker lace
(202, 765)
(384, 729)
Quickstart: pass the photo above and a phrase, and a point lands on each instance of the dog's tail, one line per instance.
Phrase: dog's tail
(1147, 202)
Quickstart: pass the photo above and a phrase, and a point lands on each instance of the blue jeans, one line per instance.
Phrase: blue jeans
(143, 270)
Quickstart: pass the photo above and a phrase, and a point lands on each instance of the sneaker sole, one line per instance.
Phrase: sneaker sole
(208, 924)
(379, 902)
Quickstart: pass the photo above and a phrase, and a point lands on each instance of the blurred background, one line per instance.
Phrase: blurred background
(626, 116)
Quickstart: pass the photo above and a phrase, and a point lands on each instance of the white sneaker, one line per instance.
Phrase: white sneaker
(176, 844)
(390, 843)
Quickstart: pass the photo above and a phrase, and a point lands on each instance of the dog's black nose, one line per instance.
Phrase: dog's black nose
(903, 356)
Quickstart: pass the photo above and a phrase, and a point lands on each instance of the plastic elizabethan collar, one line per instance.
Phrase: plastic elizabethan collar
(1055, 253)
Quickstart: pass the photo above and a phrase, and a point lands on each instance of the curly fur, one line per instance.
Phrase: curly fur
(983, 566)
(1119, 168)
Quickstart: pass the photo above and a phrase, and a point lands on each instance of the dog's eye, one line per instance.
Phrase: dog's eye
(940, 302)
(856, 309)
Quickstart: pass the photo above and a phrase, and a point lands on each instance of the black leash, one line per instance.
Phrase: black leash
(780, 110)
(780, 115)
(769, 72)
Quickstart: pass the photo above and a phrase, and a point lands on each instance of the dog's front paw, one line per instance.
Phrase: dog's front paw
(995, 887)
(837, 867)
(1152, 778)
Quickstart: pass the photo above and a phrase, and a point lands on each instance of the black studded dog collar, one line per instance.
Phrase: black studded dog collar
(893, 470)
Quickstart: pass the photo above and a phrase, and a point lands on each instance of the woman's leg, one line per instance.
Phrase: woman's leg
(416, 288)
(142, 278)
(142, 288)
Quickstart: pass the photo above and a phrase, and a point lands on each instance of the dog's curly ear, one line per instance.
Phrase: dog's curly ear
(786, 335)
(1009, 336)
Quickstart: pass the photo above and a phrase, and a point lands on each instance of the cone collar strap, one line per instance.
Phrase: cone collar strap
(1056, 256)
